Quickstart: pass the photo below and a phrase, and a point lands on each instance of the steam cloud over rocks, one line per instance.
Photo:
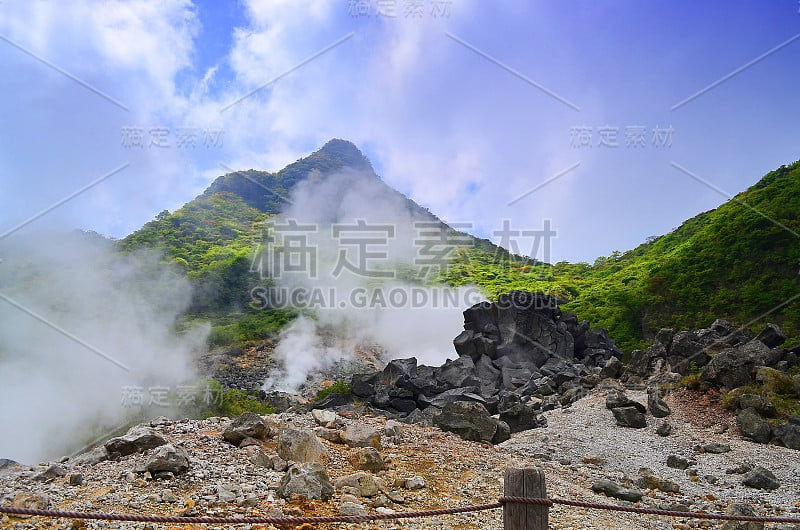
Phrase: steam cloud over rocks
(351, 242)
(79, 324)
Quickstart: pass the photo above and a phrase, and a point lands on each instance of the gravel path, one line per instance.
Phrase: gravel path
(580, 445)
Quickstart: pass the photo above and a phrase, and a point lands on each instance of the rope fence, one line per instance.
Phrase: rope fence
(526, 512)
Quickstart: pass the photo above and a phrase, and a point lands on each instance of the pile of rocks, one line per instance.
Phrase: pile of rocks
(517, 358)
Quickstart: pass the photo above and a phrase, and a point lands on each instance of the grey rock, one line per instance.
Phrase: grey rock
(227, 492)
(366, 459)
(258, 457)
(612, 368)
(89, 458)
(76, 479)
(355, 435)
(137, 440)
(522, 417)
(393, 432)
(735, 367)
(629, 417)
(616, 399)
(469, 420)
(168, 458)
(648, 480)
(415, 483)
(761, 478)
(739, 508)
(300, 445)
(753, 426)
(323, 417)
(760, 404)
(612, 489)
(664, 429)
(53, 471)
(246, 425)
(788, 434)
(716, 448)
(365, 483)
(772, 336)
(309, 480)
(658, 407)
(331, 435)
(679, 462)
(352, 508)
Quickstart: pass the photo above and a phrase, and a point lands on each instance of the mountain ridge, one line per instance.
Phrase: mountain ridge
(736, 261)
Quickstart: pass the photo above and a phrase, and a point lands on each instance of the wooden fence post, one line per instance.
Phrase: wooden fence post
(525, 483)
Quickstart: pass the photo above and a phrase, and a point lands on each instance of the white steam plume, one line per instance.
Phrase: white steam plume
(81, 324)
(406, 318)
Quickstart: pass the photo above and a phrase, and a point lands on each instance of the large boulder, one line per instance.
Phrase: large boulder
(527, 323)
(471, 421)
(753, 426)
(742, 509)
(772, 336)
(629, 417)
(658, 407)
(788, 435)
(612, 489)
(168, 458)
(300, 445)
(309, 480)
(246, 425)
(365, 483)
(355, 435)
(761, 478)
(137, 440)
(735, 367)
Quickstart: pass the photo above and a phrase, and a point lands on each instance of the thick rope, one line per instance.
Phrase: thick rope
(389, 516)
(249, 520)
(649, 511)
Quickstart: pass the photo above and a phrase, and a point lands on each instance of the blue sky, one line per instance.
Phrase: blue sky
(583, 109)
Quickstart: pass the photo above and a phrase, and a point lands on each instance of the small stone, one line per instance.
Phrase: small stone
(168, 496)
(363, 482)
(361, 436)
(664, 429)
(761, 478)
(746, 510)
(366, 459)
(395, 496)
(226, 493)
(300, 445)
(679, 462)
(278, 463)
(612, 489)
(352, 508)
(168, 458)
(331, 435)
(716, 448)
(415, 483)
(323, 417)
(76, 479)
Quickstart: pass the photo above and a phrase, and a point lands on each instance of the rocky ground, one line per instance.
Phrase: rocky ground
(426, 468)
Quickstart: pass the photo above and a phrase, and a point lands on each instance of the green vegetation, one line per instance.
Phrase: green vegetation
(213, 400)
(736, 262)
(339, 387)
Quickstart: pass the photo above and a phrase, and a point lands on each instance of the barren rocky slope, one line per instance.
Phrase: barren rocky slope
(424, 468)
